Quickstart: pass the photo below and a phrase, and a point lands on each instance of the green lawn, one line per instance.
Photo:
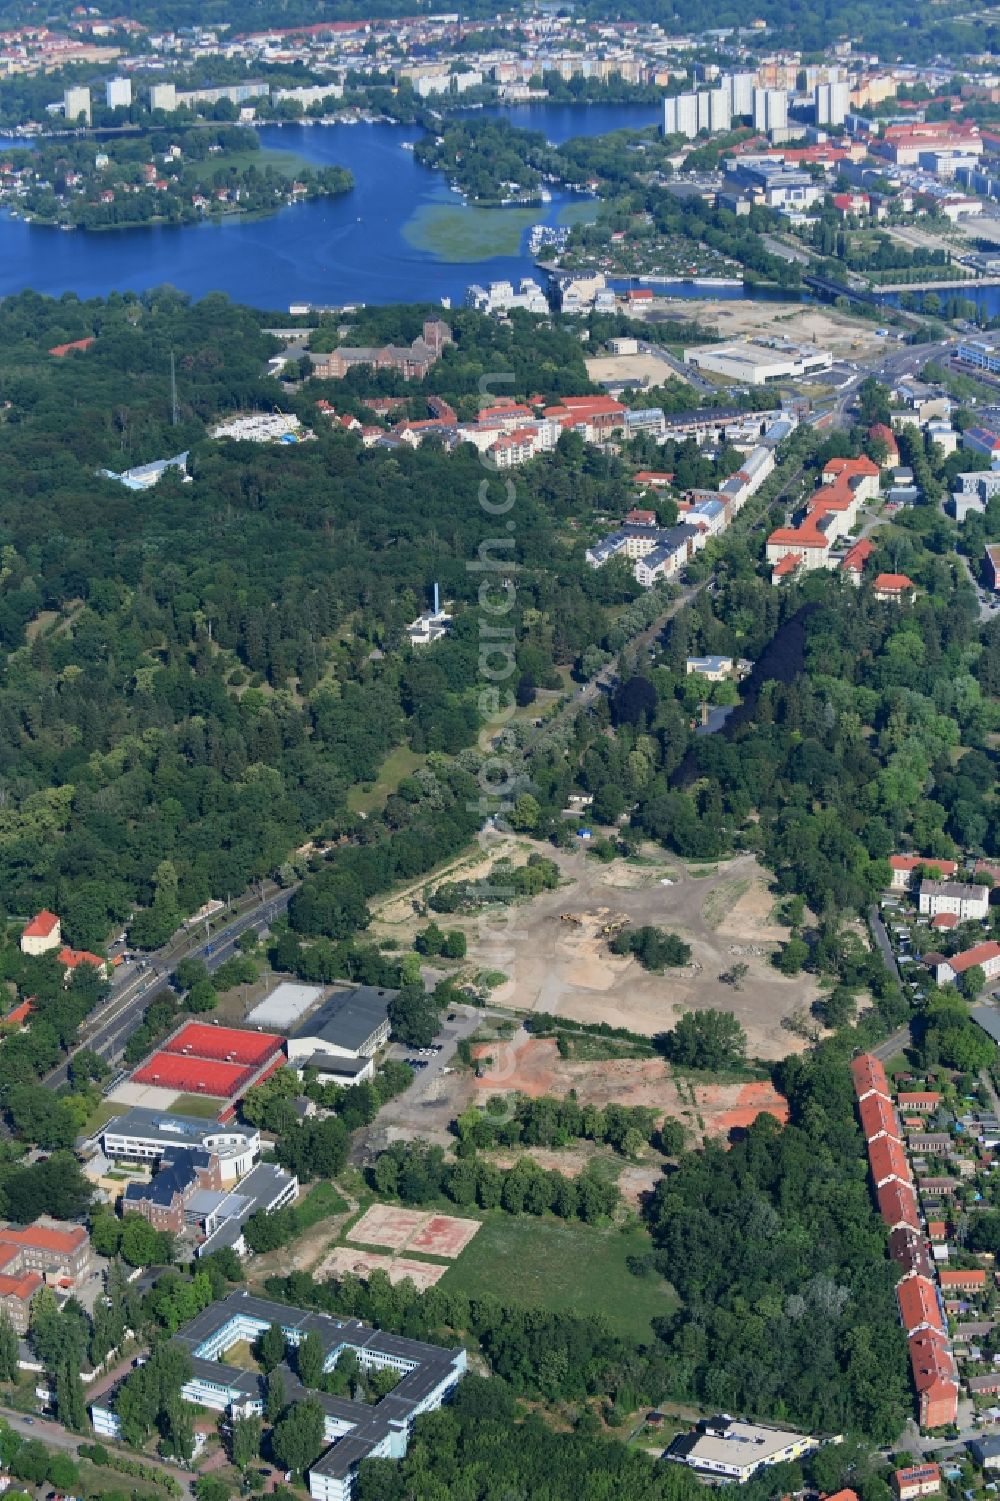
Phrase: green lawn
(198, 1105)
(399, 763)
(565, 1268)
(104, 1112)
(454, 232)
(321, 1200)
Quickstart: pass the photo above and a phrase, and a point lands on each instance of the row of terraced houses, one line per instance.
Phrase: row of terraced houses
(918, 1294)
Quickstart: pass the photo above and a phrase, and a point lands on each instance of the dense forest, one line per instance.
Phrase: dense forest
(197, 674)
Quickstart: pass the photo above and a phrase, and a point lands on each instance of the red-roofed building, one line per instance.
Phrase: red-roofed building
(851, 203)
(985, 955)
(879, 433)
(39, 1254)
(944, 920)
(869, 1076)
(937, 1230)
(598, 416)
(887, 1160)
(878, 1119)
(894, 588)
(71, 959)
(965, 1280)
(637, 517)
(506, 415)
(786, 567)
(917, 1480)
(863, 470)
(918, 1101)
(19, 1015)
(42, 933)
(934, 1376)
(897, 1204)
(854, 561)
(904, 866)
(655, 478)
(918, 1305)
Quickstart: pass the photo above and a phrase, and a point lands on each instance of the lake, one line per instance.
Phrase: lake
(381, 243)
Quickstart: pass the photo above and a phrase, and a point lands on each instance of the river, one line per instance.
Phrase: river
(355, 248)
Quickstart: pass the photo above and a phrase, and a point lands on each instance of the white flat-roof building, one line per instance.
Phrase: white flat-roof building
(285, 1004)
(733, 1450)
(754, 363)
(141, 1135)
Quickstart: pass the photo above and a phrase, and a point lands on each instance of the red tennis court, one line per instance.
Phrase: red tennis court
(194, 1075)
(227, 1044)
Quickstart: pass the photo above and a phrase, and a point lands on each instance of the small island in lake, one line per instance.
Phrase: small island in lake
(158, 177)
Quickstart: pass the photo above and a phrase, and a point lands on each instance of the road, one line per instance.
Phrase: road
(108, 1029)
(54, 1437)
(882, 939)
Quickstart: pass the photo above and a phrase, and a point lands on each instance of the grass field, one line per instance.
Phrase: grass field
(197, 1105)
(467, 233)
(399, 763)
(320, 1201)
(288, 163)
(105, 1112)
(565, 1268)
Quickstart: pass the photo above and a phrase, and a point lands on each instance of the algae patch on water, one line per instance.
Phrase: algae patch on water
(463, 232)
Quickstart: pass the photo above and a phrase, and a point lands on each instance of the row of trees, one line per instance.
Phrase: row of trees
(547, 1121)
(420, 1174)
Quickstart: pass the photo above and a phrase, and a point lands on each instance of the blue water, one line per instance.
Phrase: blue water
(346, 249)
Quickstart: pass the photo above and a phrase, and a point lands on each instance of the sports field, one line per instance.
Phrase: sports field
(565, 1268)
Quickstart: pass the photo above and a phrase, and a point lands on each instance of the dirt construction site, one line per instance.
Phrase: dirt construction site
(844, 335)
(532, 1066)
(555, 949)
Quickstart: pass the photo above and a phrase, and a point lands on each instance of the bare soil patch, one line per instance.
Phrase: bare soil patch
(556, 956)
(346, 1260)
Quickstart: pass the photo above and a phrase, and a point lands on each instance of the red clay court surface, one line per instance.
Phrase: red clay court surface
(434, 1234)
(190, 1075)
(444, 1235)
(226, 1044)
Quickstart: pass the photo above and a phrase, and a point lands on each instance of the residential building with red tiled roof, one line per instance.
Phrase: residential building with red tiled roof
(76, 346)
(42, 933)
(963, 1280)
(869, 1076)
(917, 1480)
(904, 868)
(853, 563)
(985, 955)
(71, 959)
(894, 588)
(887, 1160)
(918, 1101)
(878, 1119)
(18, 1016)
(937, 1229)
(39, 1254)
(918, 1305)
(880, 433)
(897, 1204)
(935, 1378)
